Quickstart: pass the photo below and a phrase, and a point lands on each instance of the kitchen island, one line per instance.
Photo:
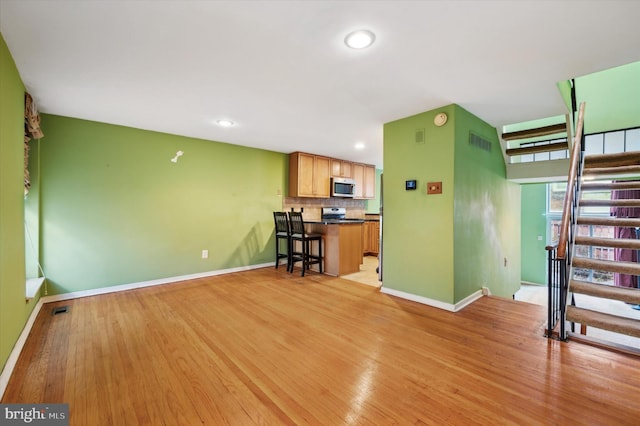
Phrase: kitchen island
(342, 244)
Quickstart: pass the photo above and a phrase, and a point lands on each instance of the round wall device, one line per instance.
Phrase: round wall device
(440, 119)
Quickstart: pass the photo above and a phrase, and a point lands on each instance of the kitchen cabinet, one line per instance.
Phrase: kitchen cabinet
(342, 246)
(365, 177)
(309, 175)
(340, 168)
(371, 238)
(369, 188)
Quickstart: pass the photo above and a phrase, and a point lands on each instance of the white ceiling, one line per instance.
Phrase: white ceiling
(281, 71)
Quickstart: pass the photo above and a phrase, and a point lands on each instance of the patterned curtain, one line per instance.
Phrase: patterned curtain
(625, 255)
(31, 131)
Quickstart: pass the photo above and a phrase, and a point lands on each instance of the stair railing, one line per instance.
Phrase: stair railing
(553, 286)
(566, 240)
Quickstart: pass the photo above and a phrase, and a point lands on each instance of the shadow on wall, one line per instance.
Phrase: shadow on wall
(252, 250)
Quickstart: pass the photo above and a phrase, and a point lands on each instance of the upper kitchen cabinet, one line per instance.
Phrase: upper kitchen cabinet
(340, 168)
(365, 177)
(309, 175)
(369, 182)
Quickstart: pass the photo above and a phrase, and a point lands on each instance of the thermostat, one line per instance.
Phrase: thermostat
(410, 185)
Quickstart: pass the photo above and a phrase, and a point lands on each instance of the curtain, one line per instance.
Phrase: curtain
(31, 131)
(625, 255)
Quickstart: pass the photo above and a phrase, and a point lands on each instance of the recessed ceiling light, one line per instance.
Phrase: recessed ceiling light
(225, 123)
(359, 145)
(360, 39)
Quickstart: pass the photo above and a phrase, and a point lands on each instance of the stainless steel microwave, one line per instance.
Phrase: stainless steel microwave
(343, 187)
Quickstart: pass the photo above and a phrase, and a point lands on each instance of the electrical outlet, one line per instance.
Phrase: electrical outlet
(205, 254)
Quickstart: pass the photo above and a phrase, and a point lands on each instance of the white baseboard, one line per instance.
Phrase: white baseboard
(532, 283)
(432, 302)
(142, 284)
(17, 348)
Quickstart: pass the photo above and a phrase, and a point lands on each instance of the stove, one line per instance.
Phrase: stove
(337, 215)
(333, 213)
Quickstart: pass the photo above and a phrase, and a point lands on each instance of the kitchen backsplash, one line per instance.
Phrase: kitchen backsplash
(313, 206)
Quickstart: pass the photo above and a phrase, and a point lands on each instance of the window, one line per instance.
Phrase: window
(555, 197)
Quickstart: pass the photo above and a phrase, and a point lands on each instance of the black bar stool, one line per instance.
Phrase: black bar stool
(282, 233)
(298, 234)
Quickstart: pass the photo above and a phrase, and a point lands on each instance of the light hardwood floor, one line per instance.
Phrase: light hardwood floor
(268, 347)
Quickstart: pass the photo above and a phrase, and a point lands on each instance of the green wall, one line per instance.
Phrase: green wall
(418, 228)
(116, 210)
(14, 312)
(534, 224)
(486, 212)
(446, 247)
(611, 98)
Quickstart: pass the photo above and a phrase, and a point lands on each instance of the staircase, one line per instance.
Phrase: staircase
(537, 154)
(526, 144)
(606, 172)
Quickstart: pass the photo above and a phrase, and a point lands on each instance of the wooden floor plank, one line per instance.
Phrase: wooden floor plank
(268, 347)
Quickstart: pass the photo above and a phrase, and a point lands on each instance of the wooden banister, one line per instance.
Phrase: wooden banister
(571, 184)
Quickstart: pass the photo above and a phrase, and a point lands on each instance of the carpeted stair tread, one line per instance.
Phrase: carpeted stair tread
(609, 221)
(631, 268)
(623, 294)
(622, 325)
(609, 242)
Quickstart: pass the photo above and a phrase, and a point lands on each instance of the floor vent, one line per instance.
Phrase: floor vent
(59, 310)
(479, 142)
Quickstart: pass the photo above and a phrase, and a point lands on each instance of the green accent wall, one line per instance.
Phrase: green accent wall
(116, 210)
(447, 246)
(418, 228)
(611, 96)
(14, 311)
(486, 213)
(534, 224)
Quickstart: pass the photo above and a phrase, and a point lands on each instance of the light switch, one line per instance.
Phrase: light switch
(434, 188)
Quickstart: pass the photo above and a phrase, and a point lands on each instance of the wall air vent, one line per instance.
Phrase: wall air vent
(479, 142)
(420, 136)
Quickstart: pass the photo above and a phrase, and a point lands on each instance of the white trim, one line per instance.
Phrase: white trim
(468, 300)
(532, 283)
(432, 302)
(33, 287)
(142, 284)
(17, 349)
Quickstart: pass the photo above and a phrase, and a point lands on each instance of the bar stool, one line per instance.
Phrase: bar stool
(298, 233)
(282, 233)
